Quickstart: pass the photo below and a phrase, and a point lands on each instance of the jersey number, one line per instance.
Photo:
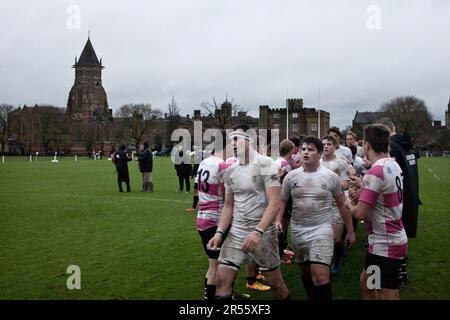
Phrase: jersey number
(398, 183)
(203, 175)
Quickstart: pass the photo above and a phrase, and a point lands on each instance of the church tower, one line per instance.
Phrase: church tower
(87, 98)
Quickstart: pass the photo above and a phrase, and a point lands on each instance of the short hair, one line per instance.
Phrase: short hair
(286, 146)
(297, 140)
(314, 141)
(388, 123)
(378, 137)
(330, 138)
(354, 135)
(335, 130)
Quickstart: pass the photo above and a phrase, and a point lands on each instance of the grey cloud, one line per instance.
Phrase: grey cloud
(254, 51)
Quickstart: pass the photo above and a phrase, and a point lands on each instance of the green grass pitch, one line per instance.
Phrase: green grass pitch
(145, 246)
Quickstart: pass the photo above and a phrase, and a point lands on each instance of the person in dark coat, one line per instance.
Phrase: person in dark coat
(401, 147)
(184, 171)
(145, 158)
(121, 162)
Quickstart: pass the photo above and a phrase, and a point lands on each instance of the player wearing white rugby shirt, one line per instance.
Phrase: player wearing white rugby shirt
(340, 167)
(351, 139)
(253, 275)
(380, 203)
(252, 200)
(313, 189)
(342, 151)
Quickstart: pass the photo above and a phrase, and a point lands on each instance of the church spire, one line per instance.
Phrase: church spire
(88, 56)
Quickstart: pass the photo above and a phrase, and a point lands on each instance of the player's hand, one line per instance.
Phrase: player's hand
(215, 242)
(251, 242)
(279, 226)
(353, 194)
(350, 239)
(355, 182)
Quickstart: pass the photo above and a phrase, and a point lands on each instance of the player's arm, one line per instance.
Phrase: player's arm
(225, 220)
(285, 194)
(345, 184)
(344, 176)
(361, 210)
(271, 212)
(279, 217)
(347, 217)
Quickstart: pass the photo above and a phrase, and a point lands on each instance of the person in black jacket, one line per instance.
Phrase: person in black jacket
(121, 162)
(401, 147)
(145, 158)
(183, 168)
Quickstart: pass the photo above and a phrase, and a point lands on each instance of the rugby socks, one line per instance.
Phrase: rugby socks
(309, 286)
(210, 291)
(194, 203)
(323, 292)
(338, 249)
(251, 280)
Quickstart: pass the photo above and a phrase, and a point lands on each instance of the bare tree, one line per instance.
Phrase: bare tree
(221, 113)
(52, 129)
(173, 118)
(137, 119)
(174, 111)
(410, 115)
(5, 109)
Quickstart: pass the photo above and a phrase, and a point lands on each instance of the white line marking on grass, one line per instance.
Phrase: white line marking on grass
(133, 198)
(109, 197)
(434, 175)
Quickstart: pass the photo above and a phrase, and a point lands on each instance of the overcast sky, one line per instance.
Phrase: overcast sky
(360, 53)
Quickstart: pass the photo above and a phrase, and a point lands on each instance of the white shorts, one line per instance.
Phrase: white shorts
(316, 249)
(265, 255)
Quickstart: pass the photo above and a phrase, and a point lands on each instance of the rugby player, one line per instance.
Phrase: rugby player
(379, 201)
(313, 189)
(252, 201)
(340, 167)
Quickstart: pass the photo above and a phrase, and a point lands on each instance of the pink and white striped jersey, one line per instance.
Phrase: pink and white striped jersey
(211, 191)
(383, 188)
(283, 166)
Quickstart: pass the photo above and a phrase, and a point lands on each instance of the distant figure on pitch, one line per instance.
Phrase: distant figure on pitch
(121, 162)
(145, 158)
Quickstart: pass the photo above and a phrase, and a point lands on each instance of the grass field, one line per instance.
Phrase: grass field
(145, 246)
